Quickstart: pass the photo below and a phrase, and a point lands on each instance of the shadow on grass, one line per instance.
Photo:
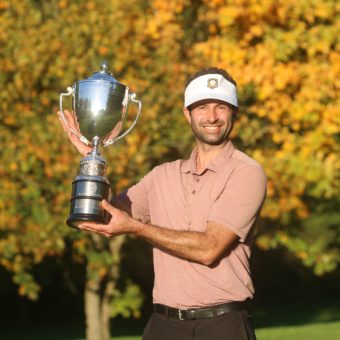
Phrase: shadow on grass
(271, 317)
(57, 330)
(127, 327)
(296, 314)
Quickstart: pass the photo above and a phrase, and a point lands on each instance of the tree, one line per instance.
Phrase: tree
(284, 56)
(45, 50)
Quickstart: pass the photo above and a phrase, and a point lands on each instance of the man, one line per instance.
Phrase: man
(199, 214)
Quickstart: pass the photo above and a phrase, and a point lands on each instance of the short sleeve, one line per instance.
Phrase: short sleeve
(136, 199)
(240, 203)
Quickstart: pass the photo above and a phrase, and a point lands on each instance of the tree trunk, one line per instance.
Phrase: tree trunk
(99, 294)
(106, 309)
(93, 310)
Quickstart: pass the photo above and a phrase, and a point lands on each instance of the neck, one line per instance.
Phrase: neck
(206, 153)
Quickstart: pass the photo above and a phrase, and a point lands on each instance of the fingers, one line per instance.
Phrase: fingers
(68, 120)
(71, 127)
(118, 225)
(91, 226)
(108, 207)
(95, 228)
(62, 121)
(72, 119)
(67, 123)
(115, 132)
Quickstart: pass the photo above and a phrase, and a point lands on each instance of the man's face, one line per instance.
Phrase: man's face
(211, 121)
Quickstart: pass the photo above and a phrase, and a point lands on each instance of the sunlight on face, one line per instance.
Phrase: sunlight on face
(211, 121)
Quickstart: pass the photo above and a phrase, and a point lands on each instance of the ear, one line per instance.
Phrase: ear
(187, 114)
(235, 113)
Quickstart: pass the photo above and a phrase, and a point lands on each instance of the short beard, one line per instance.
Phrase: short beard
(204, 139)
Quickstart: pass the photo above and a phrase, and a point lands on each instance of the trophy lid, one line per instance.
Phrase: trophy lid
(104, 74)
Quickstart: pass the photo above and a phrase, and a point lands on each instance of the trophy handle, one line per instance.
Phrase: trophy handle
(69, 93)
(134, 100)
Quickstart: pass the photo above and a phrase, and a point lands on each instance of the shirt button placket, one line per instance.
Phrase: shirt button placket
(194, 191)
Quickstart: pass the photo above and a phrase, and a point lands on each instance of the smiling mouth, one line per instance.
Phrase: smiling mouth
(211, 127)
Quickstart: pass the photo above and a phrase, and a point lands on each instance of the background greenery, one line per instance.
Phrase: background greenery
(285, 58)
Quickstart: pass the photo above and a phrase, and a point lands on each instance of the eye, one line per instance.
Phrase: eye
(223, 107)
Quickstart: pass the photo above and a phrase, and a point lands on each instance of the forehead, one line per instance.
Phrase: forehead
(208, 101)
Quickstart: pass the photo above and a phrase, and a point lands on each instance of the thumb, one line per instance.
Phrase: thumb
(108, 207)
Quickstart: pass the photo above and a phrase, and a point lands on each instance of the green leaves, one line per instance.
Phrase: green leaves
(283, 54)
(128, 302)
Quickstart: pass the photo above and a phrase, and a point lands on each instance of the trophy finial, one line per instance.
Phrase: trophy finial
(104, 67)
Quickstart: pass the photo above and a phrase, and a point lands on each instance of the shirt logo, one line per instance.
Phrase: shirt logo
(212, 83)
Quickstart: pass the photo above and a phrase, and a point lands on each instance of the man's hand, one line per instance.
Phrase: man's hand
(72, 124)
(120, 223)
(202, 247)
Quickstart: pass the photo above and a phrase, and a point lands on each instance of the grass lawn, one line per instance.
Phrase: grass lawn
(291, 322)
(314, 331)
(317, 331)
(297, 322)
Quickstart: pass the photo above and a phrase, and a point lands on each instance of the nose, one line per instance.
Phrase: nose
(212, 114)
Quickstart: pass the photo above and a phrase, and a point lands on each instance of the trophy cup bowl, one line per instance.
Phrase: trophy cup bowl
(99, 108)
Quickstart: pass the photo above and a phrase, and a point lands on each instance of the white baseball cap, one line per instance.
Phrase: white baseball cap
(210, 86)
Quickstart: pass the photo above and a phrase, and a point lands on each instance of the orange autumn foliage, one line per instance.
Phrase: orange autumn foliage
(283, 54)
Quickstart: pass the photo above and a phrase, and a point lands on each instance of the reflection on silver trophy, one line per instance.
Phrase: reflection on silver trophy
(99, 107)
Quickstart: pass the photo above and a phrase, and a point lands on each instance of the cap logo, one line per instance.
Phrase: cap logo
(210, 86)
(212, 83)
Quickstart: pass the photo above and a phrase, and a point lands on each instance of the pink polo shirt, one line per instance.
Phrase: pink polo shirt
(174, 195)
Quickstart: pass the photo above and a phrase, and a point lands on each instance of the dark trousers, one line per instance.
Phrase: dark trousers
(235, 325)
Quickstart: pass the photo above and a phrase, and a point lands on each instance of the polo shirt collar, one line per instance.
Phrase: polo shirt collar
(189, 165)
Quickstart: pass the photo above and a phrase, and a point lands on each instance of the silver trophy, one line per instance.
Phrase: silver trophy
(99, 108)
